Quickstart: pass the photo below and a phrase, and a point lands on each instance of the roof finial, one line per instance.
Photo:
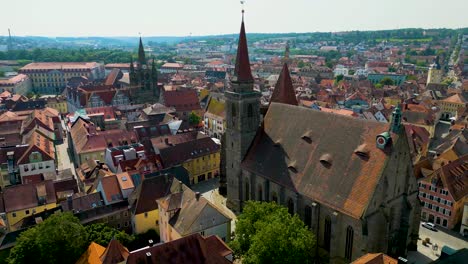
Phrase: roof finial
(243, 11)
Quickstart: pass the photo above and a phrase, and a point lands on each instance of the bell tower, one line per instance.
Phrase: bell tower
(243, 120)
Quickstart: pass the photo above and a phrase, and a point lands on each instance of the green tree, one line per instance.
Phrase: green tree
(102, 234)
(300, 64)
(267, 233)
(339, 78)
(387, 81)
(59, 239)
(194, 119)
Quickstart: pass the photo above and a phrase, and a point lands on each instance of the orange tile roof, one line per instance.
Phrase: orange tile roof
(125, 181)
(456, 98)
(92, 255)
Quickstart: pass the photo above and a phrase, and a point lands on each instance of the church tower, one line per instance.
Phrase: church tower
(143, 79)
(243, 119)
(435, 72)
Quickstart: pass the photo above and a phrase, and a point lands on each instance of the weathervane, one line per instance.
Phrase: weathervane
(242, 3)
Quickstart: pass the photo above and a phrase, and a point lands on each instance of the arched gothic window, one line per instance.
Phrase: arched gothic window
(308, 216)
(291, 206)
(260, 193)
(327, 234)
(349, 243)
(250, 110)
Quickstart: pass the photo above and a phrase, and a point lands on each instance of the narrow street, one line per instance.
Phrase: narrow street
(63, 158)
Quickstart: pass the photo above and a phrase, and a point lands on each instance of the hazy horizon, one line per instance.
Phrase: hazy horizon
(182, 18)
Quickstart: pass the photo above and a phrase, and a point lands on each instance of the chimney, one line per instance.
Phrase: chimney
(197, 195)
(150, 243)
(180, 186)
(402, 260)
(148, 257)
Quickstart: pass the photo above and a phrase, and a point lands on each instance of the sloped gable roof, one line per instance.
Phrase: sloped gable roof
(280, 153)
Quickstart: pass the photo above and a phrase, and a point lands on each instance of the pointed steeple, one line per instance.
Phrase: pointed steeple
(141, 54)
(242, 70)
(284, 91)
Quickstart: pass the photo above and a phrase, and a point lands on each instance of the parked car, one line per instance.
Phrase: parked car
(429, 226)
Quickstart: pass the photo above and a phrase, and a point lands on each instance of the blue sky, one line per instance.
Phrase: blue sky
(208, 17)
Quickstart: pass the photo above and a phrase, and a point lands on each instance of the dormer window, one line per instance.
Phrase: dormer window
(326, 160)
(292, 167)
(362, 151)
(307, 137)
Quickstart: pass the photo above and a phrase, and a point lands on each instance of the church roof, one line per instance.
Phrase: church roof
(242, 70)
(284, 91)
(314, 153)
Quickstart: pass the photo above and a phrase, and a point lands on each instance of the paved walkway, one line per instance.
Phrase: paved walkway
(426, 254)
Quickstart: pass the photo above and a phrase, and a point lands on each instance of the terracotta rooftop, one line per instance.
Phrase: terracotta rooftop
(92, 254)
(453, 176)
(456, 98)
(193, 249)
(25, 196)
(182, 100)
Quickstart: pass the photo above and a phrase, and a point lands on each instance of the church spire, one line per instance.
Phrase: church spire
(242, 70)
(284, 91)
(141, 54)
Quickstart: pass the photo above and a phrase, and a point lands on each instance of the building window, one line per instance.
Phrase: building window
(233, 110)
(290, 206)
(308, 215)
(247, 190)
(349, 243)
(327, 234)
(274, 197)
(126, 223)
(26, 212)
(118, 226)
(250, 111)
(260, 193)
(157, 222)
(146, 214)
(444, 223)
(13, 214)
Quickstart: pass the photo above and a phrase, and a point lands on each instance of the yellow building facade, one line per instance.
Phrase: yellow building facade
(203, 168)
(15, 216)
(59, 104)
(146, 221)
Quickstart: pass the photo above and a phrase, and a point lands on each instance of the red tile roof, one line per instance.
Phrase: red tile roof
(110, 186)
(24, 196)
(182, 100)
(284, 91)
(193, 249)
